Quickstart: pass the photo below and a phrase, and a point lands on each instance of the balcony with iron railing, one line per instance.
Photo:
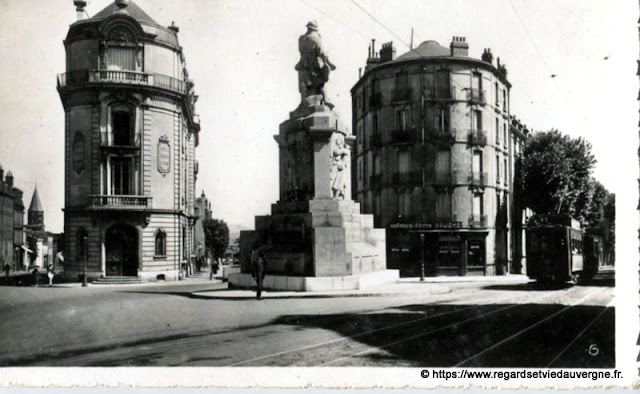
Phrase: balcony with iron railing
(441, 134)
(107, 140)
(477, 137)
(446, 93)
(399, 95)
(477, 96)
(407, 178)
(444, 178)
(404, 136)
(117, 202)
(477, 221)
(79, 78)
(478, 178)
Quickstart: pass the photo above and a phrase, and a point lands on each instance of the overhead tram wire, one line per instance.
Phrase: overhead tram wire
(334, 19)
(401, 40)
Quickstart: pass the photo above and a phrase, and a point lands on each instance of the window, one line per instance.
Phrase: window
(376, 165)
(477, 119)
(504, 134)
(497, 168)
(402, 119)
(404, 162)
(506, 176)
(497, 94)
(374, 123)
(404, 203)
(121, 58)
(121, 128)
(443, 166)
(476, 84)
(161, 243)
(504, 98)
(442, 84)
(497, 131)
(121, 176)
(478, 208)
(442, 119)
(402, 81)
(443, 207)
(476, 164)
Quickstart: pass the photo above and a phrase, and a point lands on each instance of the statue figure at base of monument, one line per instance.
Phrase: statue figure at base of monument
(314, 65)
(339, 173)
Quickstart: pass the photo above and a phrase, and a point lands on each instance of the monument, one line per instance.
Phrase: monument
(315, 237)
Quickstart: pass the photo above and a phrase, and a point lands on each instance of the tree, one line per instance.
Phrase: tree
(216, 236)
(556, 174)
(601, 219)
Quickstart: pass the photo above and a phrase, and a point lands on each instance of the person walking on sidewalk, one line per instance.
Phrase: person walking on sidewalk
(7, 269)
(36, 276)
(258, 271)
(50, 274)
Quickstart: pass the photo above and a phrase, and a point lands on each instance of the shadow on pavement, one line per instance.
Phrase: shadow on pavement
(444, 336)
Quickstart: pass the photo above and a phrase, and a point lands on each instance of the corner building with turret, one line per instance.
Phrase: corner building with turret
(130, 137)
(433, 158)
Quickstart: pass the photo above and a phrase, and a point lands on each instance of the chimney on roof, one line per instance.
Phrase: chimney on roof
(487, 56)
(459, 46)
(9, 179)
(80, 4)
(388, 52)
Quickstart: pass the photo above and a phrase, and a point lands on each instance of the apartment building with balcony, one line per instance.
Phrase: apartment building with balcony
(432, 158)
(130, 137)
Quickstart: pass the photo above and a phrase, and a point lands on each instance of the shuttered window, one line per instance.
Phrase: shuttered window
(121, 58)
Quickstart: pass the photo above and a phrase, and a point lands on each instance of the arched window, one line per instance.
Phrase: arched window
(161, 243)
(81, 244)
(122, 124)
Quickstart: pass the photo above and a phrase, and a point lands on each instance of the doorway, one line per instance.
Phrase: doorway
(121, 247)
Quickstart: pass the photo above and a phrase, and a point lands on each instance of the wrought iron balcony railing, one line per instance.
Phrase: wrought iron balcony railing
(445, 178)
(477, 96)
(478, 178)
(407, 178)
(439, 134)
(107, 139)
(445, 218)
(477, 221)
(404, 136)
(83, 77)
(441, 93)
(477, 137)
(401, 95)
(120, 201)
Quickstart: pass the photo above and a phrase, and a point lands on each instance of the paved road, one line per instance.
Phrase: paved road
(489, 324)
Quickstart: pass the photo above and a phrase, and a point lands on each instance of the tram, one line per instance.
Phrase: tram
(555, 249)
(593, 256)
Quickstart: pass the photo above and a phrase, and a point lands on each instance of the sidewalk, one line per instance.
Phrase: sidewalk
(404, 287)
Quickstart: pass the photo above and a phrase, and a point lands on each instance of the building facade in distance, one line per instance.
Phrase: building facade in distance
(130, 137)
(12, 239)
(433, 158)
(202, 212)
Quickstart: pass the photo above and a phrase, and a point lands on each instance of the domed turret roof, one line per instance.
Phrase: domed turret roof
(132, 10)
(426, 49)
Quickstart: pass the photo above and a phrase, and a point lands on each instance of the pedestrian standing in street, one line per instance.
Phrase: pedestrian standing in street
(258, 271)
(6, 269)
(50, 274)
(35, 275)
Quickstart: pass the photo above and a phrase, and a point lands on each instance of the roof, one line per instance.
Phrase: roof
(426, 49)
(36, 205)
(132, 10)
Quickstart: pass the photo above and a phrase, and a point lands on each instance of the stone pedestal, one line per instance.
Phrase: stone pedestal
(315, 230)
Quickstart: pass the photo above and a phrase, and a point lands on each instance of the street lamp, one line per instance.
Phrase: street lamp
(421, 257)
(84, 268)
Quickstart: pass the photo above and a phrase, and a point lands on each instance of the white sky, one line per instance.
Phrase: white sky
(241, 56)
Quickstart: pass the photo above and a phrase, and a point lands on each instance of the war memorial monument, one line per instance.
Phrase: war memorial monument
(315, 238)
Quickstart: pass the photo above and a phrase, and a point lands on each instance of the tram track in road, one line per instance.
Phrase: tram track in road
(407, 327)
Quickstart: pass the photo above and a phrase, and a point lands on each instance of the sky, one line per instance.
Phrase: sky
(241, 55)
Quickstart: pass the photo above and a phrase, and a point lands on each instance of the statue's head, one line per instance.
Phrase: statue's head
(312, 25)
